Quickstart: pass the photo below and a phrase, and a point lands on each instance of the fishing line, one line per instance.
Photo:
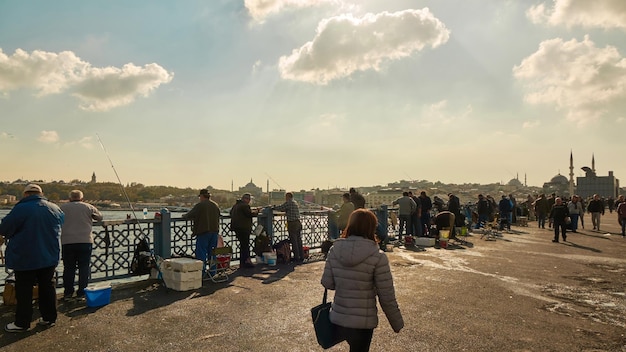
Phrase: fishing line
(271, 178)
(132, 209)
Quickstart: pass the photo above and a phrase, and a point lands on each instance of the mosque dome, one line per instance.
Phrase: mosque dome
(559, 179)
(515, 182)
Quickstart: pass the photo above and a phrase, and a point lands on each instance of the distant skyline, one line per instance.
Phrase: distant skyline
(311, 93)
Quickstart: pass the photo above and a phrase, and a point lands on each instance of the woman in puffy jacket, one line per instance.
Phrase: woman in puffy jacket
(358, 272)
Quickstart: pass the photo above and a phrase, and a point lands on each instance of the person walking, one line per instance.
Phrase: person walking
(559, 214)
(596, 208)
(241, 223)
(542, 210)
(77, 243)
(294, 226)
(359, 273)
(575, 208)
(33, 228)
(206, 221)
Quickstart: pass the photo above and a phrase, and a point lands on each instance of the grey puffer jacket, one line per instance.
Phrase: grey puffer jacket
(358, 272)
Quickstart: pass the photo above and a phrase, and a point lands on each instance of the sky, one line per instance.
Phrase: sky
(311, 93)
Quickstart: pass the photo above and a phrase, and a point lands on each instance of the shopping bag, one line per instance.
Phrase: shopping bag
(327, 333)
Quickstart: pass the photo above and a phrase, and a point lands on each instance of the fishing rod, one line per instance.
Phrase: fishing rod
(132, 209)
(144, 238)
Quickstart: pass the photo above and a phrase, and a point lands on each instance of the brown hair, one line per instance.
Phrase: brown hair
(362, 222)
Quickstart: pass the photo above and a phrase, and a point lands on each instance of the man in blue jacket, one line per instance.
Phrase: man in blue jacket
(32, 229)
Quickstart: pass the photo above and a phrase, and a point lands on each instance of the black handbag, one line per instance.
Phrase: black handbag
(327, 333)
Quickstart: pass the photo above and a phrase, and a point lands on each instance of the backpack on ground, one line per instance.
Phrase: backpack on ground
(262, 244)
(142, 262)
(283, 251)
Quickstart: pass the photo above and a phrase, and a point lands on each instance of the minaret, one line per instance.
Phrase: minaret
(232, 186)
(93, 177)
(525, 184)
(571, 173)
(593, 163)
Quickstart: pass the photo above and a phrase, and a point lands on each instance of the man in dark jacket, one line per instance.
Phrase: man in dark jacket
(427, 205)
(559, 214)
(206, 222)
(357, 199)
(596, 208)
(505, 207)
(454, 206)
(241, 222)
(483, 209)
(33, 228)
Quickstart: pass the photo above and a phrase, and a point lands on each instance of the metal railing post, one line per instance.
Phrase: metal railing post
(382, 214)
(163, 235)
(266, 218)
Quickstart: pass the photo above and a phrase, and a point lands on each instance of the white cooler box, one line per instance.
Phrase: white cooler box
(182, 274)
(182, 264)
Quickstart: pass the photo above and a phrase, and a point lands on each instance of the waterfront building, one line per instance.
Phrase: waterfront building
(591, 183)
(586, 186)
(383, 196)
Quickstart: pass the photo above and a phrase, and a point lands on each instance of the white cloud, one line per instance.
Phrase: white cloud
(102, 89)
(585, 13)
(99, 88)
(577, 77)
(531, 124)
(345, 44)
(48, 137)
(260, 9)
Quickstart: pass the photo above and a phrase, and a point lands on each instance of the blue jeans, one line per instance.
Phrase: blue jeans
(76, 256)
(205, 242)
(482, 219)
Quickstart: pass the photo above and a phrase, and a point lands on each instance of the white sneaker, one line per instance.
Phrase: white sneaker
(11, 327)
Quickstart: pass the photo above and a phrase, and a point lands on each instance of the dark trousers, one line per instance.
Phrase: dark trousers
(294, 228)
(243, 235)
(559, 225)
(416, 225)
(24, 282)
(425, 218)
(359, 340)
(76, 256)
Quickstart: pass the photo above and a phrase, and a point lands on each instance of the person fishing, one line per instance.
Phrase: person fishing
(206, 221)
(294, 226)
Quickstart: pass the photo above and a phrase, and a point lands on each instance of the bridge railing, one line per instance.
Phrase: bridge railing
(115, 240)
